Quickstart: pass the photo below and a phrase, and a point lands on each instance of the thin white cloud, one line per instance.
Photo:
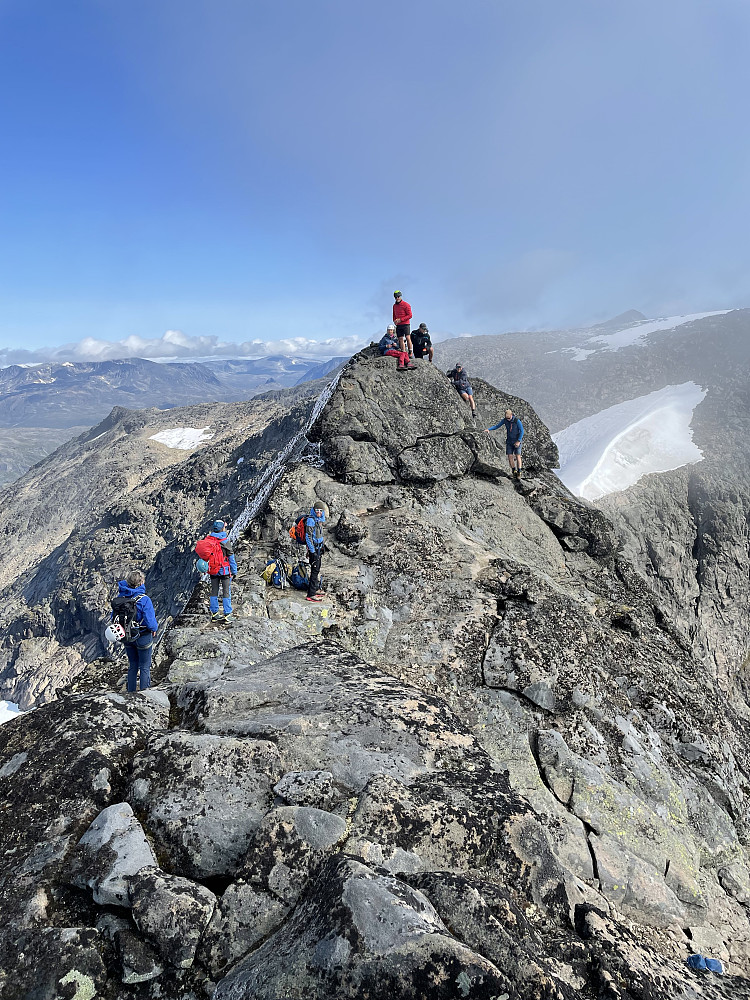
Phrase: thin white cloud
(175, 344)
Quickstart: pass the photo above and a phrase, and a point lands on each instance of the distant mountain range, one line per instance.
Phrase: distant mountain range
(39, 403)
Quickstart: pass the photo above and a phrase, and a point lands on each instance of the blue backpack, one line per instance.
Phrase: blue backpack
(301, 576)
(277, 573)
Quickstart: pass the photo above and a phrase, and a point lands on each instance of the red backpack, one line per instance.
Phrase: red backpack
(209, 548)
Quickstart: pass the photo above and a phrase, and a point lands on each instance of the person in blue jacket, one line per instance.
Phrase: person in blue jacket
(513, 438)
(222, 579)
(462, 385)
(315, 548)
(140, 648)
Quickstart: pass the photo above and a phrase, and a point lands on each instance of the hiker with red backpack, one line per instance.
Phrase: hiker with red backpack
(134, 624)
(217, 551)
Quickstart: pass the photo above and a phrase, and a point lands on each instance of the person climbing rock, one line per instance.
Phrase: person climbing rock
(513, 437)
(315, 548)
(402, 319)
(222, 567)
(421, 342)
(461, 384)
(133, 603)
(389, 345)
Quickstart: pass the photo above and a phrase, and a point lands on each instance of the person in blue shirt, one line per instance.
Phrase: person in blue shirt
(315, 548)
(514, 437)
(139, 649)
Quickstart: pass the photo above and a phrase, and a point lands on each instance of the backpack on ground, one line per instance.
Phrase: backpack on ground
(277, 573)
(210, 549)
(124, 610)
(300, 577)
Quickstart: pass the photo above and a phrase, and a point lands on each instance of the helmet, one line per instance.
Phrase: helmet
(114, 632)
(201, 565)
(397, 293)
(391, 326)
(219, 526)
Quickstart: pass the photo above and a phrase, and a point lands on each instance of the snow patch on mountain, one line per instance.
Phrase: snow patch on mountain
(637, 333)
(185, 438)
(8, 710)
(613, 449)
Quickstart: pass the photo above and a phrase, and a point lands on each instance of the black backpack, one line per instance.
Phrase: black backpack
(123, 613)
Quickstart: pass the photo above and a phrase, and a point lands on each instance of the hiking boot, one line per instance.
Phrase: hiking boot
(316, 597)
(410, 365)
(217, 616)
(229, 618)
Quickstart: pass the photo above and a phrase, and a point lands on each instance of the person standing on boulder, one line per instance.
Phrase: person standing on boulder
(315, 548)
(139, 648)
(422, 343)
(389, 345)
(462, 385)
(513, 438)
(402, 319)
(222, 567)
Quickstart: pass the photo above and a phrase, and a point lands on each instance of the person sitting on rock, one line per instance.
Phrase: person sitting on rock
(222, 567)
(389, 346)
(461, 383)
(315, 548)
(140, 648)
(421, 342)
(513, 437)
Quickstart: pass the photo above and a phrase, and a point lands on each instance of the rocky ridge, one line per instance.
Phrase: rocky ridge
(486, 765)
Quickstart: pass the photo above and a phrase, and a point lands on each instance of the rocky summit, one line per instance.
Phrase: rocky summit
(487, 765)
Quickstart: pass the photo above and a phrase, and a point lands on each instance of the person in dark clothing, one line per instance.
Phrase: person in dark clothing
(389, 345)
(139, 649)
(222, 569)
(513, 437)
(315, 548)
(402, 319)
(461, 384)
(421, 342)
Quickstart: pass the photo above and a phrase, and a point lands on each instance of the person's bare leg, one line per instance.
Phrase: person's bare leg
(411, 349)
(431, 353)
(470, 400)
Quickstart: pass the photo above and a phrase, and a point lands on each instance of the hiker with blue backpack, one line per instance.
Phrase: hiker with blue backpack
(315, 548)
(134, 624)
(216, 550)
(513, 438)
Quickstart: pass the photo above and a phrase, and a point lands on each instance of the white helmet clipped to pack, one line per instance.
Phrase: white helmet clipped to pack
(114, 632)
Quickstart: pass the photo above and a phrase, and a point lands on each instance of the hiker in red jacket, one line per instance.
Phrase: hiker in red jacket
(402, 319)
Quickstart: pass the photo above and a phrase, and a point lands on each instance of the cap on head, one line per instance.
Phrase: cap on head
(391, 326)
(397, 294)
(423, 326)
(218, 526)
(319, 505)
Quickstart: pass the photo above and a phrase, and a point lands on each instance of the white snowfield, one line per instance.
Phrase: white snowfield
(637, 334)
(8, 710)
(185, 438)
(611, 450)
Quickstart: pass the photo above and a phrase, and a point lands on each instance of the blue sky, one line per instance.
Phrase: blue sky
(268, 172)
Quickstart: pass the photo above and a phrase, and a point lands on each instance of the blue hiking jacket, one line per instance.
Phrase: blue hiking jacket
(388, 342)
(222, 536)
(144, 609)
(461, 381)
(513, 427)
(314, 531)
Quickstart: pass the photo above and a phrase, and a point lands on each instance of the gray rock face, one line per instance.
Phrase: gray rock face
(242, 919)
(171, 912)
(113, 848)
(416, 428)
(203, 796)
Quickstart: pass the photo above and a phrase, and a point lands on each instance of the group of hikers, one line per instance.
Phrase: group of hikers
(403, 345)
(133, 621)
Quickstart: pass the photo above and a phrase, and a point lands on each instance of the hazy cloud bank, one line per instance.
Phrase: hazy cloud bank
(175, 344)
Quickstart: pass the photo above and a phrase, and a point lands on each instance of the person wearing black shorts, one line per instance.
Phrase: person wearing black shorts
(402, 319)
